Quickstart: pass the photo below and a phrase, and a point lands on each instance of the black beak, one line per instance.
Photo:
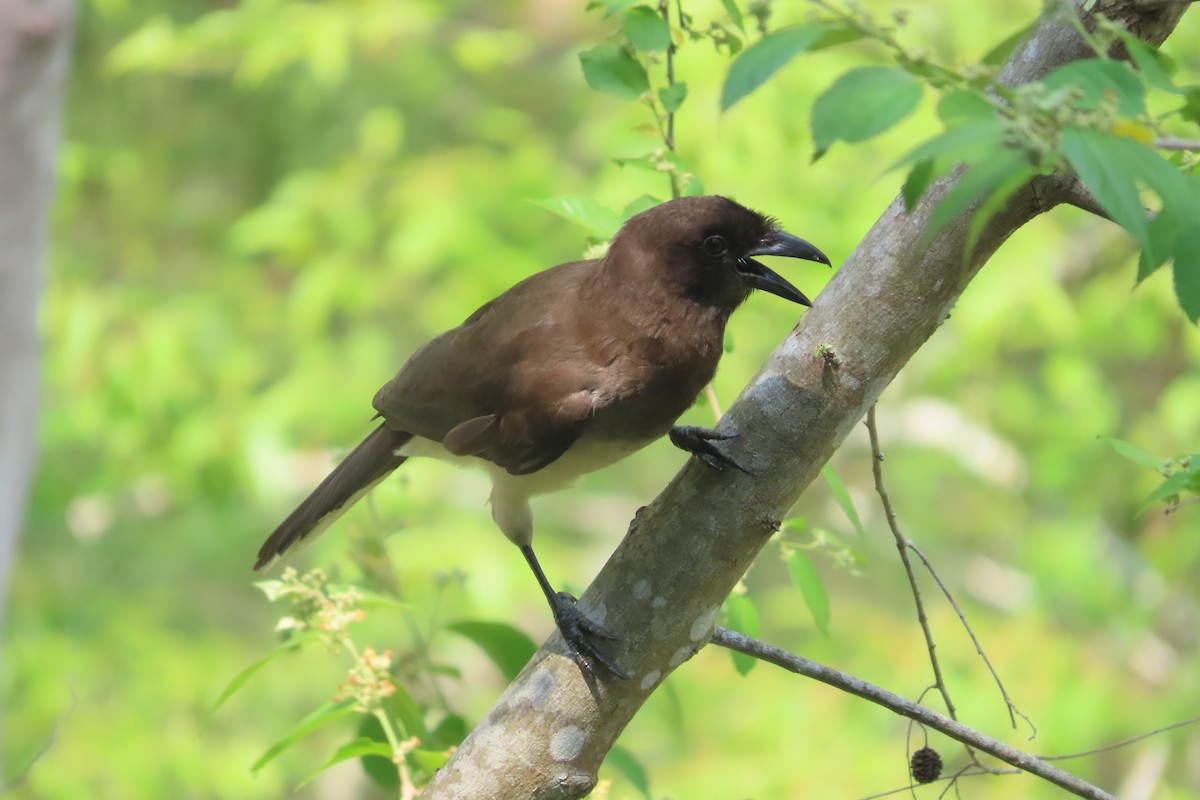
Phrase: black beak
(758, 276)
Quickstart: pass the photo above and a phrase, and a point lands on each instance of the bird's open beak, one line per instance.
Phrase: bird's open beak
(758, 276)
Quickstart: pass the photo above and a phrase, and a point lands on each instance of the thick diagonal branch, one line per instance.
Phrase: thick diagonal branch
(662, 588)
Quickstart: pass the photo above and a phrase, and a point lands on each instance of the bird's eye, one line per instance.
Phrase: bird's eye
(716, 245)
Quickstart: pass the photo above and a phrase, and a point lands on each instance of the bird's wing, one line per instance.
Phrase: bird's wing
(508, 384)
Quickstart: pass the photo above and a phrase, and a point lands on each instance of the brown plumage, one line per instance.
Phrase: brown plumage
(568, 371)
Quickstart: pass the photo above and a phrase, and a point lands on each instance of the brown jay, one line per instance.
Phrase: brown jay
(569, 371)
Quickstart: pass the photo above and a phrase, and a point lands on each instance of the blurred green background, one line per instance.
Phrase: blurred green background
(264, 207)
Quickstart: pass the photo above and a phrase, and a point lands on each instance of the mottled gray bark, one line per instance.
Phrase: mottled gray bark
(662, 588)
(34, 48)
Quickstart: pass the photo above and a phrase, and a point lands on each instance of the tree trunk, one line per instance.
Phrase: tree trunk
(34, 48)
(662, 589)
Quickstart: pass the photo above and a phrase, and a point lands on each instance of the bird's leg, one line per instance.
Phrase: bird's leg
(699, 442)
(576, 628)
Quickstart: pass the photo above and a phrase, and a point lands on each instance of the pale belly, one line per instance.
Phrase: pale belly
(588, 454)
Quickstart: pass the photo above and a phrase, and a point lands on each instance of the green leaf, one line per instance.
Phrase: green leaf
(429, 760)
(645, 29)
(994, 198)
(961, 107)
(356, 749)
(919, 178)
(608, 68)
(760, 61)
(450, 732)
(1163, 232)
(672, 97)
(842, 497)
(643, 203)
(957, 144)
(326, 713)
(1098, 79)
(1155, 66)
(239, 680)
(805, 576)
(735, 14)
(979, 181)
(863, 103)
(585, 211)
(1000, 53)
(742, 616)
(1187, 274)
(1107, 172)
(612, 6)
(508, 648)
(1134, 453)
(626, 763)
(1175, 483)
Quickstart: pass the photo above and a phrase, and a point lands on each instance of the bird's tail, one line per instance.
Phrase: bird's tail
(367, 465)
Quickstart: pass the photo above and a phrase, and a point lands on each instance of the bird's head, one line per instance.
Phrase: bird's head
(706, 246)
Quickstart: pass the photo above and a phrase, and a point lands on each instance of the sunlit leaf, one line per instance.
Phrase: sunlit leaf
(742, 616)
(1000, 53)
(1134, 453)
(1175, 483)
(626, 763)
(585, 211)
(321, 716)
(608, 68)
(863, 103)
(805, 577)
(508, 648)
(355, 749)
(672, 97)
(645, 29)
(842, 497)
(735, 13)
(764, 57)
(643, 203)
(239, 680)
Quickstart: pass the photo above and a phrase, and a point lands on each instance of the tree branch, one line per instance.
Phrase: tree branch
(906, 708)
(662, 588)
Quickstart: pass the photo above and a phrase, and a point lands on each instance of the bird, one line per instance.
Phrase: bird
(570, 370)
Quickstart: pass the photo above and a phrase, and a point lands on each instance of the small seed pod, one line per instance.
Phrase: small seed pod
(926, 765)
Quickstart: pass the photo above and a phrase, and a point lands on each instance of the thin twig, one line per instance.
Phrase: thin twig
(1175, 143)
(1123, 742)
(901, 547)
(906, 708)
(1013, 711)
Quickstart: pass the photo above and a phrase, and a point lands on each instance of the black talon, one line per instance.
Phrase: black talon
(699, 442)
(577, 629)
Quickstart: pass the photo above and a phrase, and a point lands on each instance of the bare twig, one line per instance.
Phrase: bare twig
(906, 708)
(1013, 711)
(1123, 742)
(1175, 143)
(902, 548)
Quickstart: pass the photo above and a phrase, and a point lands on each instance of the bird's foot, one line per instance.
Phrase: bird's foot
(580, 632)
(700, 443)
